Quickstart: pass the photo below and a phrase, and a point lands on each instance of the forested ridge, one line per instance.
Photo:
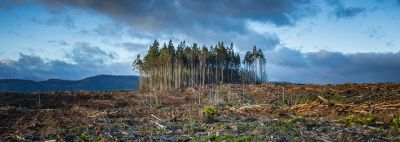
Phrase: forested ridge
(167, 67)
(94, 83)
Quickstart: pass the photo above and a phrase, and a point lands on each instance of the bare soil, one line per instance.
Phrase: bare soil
(266, 112)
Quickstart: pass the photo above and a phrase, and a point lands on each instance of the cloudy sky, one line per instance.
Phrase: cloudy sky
(305, 41)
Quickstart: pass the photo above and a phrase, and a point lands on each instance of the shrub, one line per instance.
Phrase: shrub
(294, 119)
(369, 120)
(210, 112)
(352, 120)
(396, 122)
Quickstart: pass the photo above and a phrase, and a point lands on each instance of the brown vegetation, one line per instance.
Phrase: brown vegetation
(348, 112)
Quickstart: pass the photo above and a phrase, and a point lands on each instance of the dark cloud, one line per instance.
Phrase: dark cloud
(58, 42)
(85, 54)
(264, 42)
(186, 16)
(349, 12)
(325, 58)
(345, 12)
(208, 22)
(36, 68)
(283, 64)
(333, 67)
(133, 46)
(8, 4)
(110, 30)
(7, 69)
(30, 61)
(57, 20)
(287, 57)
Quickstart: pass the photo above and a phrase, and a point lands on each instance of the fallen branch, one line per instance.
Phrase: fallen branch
(323, 99)
(159, 125)
(156, 117)
(97, 114)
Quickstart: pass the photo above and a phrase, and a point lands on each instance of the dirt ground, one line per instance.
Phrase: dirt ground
(231, 112)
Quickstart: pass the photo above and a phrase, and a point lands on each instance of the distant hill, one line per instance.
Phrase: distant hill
(95, 83)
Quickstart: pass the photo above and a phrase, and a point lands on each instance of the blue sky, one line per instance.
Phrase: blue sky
(306, 41)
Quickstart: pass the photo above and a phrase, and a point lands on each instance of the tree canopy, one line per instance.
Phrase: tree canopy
(168, 67)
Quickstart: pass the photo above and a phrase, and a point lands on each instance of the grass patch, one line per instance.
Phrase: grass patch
(396, 139)
(227, 138)
(396, 123)
(242, 127)
(307, 98)
(294, 119)
(353, 120)
(368, 120)
(278, 102)
(283, 128)
(229, 103)
(350, 120)
(84, 137)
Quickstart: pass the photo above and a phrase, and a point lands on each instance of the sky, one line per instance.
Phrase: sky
(305, 41)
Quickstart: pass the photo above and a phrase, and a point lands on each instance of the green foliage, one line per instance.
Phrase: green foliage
(210, 111)
(369, 120)
(350, 120)
(396, 139)
(242, 127)
(307, 98)
(184, 139)
(336, 96)
(158, 105)
(192, 124)
(227, 138)
(279, 102)
(165, 68)
(283, 128)
(353, 120)
(222, 89)
(396, 122)
(229, 103)
(294, 119)
(84, 137)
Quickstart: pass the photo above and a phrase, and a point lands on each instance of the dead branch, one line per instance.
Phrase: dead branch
(155, 117)
(159, 125)
(323, 99)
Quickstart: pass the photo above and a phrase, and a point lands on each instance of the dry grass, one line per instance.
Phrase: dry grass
(249, 112)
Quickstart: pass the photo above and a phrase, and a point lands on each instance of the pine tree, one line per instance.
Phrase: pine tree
(168, 68)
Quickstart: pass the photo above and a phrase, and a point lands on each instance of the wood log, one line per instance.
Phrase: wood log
(323, 99)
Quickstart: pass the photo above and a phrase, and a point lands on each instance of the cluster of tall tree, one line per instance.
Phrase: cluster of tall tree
(171, 67)
(254, 66)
